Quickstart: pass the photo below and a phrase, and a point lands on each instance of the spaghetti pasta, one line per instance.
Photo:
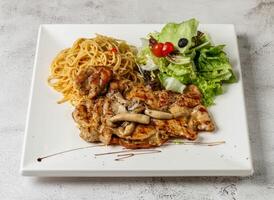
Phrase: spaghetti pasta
(87, 54)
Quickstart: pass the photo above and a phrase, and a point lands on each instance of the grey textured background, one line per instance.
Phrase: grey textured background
(19, 21)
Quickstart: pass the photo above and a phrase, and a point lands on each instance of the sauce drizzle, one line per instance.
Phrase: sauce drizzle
(125, 151)
(66, 151)
(128, 155)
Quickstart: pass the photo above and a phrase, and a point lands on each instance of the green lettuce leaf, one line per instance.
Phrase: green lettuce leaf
(171, 83)
(173, 32)
(209, 89)
(200, 40)
(213, 69)
(213, 64)
(146, 60)
(184, 73)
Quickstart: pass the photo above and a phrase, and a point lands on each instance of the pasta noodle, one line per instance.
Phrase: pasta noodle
(87, 54)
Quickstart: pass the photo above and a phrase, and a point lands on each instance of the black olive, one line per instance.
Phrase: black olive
(182, 42)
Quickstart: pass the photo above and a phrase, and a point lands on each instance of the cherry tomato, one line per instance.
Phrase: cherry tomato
(167, 48)
(114, 50)
(157, 49)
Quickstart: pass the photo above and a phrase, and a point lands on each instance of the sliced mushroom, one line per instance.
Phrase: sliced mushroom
(118, 108)
(127, 131)
(129, 128)
(124, 124)
(158, 114)
(131, 117)
(178, 114)
(139, 109)
(133, 105)
(121, 99)
(109, 123)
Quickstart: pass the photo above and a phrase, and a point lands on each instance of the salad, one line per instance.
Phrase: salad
(180, 55)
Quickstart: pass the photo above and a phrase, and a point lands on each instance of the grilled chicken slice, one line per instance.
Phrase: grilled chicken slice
(159, 100)
(176, 128)
(143, 94)
(92, 119)
(155, 140)
(89, 134)
(141, 132)
(93, 115)
(93, 82)
(192, 91)
(163, 99)
(119, 86)
(88, 121)
(200, 119)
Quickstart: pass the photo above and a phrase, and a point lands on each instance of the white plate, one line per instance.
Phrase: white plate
(50, 127)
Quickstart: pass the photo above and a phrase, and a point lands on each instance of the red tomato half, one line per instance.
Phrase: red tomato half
(157, 49)
(167, 48)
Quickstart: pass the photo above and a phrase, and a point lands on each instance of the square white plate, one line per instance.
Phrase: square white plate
(50, 127)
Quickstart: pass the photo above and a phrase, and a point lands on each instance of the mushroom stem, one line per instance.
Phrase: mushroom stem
(131, 117)
(158, 114)
(129, 128)
(122, 132)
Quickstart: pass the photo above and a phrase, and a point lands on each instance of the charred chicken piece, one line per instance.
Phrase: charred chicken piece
(138, 117)
(176, 128)
(92, 119)
(143, 137)
(163, 99)
(200, 119)
(93, 82)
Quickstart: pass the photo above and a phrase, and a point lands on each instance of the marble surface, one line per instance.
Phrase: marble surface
(19, 21)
